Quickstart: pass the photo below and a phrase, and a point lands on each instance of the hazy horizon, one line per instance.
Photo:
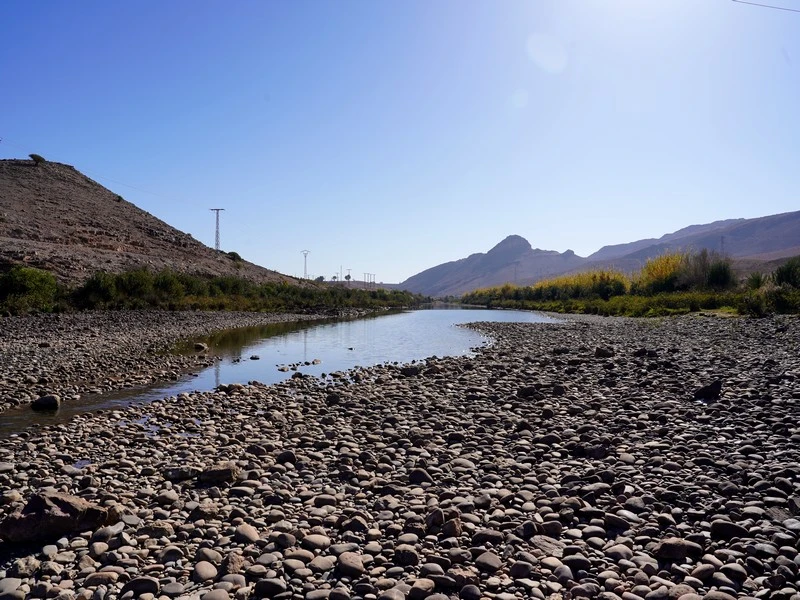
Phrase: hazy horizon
(391, 137)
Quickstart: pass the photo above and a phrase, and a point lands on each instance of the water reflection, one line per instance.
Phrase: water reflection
(314, 348)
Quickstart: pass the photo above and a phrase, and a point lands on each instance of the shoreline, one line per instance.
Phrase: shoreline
(72, 354)
(563, 460)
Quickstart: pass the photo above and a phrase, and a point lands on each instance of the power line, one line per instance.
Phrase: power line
(795, 10)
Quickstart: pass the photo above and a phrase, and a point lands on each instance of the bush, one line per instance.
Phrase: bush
(168, 286)
(755, 281)
(234, 256)
(789, 273)
(135, 284)
(784, 299)
(753, 303)
(37, 159)
(660, 274)
(99, 291)
(25, 289)
(720, 275)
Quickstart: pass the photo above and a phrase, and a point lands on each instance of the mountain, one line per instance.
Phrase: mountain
(619, 250)
(53, 217)
(513, 259)
(754, 244)
(735, 237)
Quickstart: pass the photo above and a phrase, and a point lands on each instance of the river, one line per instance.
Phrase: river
(275, 352)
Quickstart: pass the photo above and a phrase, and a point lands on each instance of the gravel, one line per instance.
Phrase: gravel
(60, 357)
(540, 468)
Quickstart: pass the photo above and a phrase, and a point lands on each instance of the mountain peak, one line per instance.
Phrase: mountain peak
(512, 245)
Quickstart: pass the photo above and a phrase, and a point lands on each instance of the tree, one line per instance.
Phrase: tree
(320, 279)
(37, 159)
(334, 278)
(347, 278)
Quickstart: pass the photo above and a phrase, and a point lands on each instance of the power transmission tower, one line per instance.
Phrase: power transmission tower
(216, 239)
(305, 262)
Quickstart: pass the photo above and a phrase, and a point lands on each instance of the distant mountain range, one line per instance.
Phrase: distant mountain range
(748, 241)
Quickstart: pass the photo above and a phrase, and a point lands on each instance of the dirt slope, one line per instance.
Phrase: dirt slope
(54, 217)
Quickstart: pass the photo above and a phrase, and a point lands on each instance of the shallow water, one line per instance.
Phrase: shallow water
(333, 346)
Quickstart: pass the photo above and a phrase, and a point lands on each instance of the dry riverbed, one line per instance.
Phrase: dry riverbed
(565, 461)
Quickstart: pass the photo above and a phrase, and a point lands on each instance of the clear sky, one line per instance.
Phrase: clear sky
(390, 136)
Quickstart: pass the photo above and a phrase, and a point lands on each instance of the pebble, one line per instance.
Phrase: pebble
(536, 468)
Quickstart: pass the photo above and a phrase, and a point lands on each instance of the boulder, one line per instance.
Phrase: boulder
(51, 515)
(48, 402)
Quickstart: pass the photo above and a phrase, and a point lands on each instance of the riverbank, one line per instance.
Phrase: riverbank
(72, 354)
(567, 460)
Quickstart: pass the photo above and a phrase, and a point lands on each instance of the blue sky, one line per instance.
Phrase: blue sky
(388, 137)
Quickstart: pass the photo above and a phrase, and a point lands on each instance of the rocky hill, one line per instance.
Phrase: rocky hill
(513, 259)
(53, 217)
(754, 244)
(777, 235)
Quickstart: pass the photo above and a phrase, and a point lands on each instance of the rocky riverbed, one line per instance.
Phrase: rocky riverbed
(69, 355)
(654, 460)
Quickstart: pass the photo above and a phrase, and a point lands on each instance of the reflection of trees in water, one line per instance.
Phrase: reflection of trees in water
(231, 342)
(236, 339)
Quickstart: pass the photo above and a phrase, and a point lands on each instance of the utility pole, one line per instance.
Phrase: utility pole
(216, 239)
(305, 262)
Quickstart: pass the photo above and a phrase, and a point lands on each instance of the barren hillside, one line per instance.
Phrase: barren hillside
(53, 217)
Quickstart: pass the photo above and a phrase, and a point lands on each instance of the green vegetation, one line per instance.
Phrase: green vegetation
(668, 284)
(24, 289)
(789, 273)
(178, 291)
(37, 158)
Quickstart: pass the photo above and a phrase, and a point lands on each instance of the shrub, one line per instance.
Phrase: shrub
(694, 270)
(37, 159)
(99, 291)
(784, 299)
(789, 273)
(234, 256)
(193, 285)
(25, 289)
(720, 275)
(753, 303)
(590, 284)
(135, 284)
(755, 281)
(660, 274)
(168, 285)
